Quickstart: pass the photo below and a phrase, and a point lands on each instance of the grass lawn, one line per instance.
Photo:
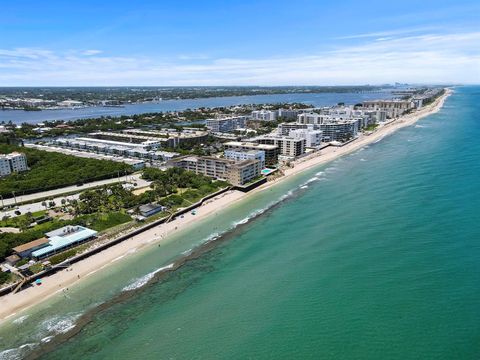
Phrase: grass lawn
(17, 220)
(101, 222)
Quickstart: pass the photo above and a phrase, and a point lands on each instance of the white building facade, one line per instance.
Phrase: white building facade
(239, 156)
(13, 162)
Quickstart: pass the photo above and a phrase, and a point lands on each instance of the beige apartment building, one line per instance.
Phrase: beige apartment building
(236, 173)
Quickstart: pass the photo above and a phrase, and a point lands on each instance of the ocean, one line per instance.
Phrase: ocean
(372, 256)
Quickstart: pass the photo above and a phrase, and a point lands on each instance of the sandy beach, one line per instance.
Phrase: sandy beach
(12, 304)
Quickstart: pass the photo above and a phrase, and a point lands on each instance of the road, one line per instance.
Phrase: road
(74, 188)
(37, 206)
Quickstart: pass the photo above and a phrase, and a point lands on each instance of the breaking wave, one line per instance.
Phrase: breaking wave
(16, 353)
(142, 281)
(20, 320)
(59, 325)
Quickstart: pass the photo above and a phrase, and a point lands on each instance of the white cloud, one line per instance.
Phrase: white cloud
(91, 52)
(431, 58)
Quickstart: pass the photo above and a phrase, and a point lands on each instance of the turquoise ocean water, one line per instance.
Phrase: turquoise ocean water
(373, 256)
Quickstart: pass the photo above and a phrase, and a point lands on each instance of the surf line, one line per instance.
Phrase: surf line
(160, 274)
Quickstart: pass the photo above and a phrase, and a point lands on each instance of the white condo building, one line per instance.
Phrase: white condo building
(287, 146)
(264, 115)
(313, 138)
(13, 162)
(227, 124)
(239, 156)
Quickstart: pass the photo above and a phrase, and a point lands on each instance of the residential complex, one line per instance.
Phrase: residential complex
(264, 115)
(393, 108)
(287, 146)
(313, 138)
(236, 173)
(226, 124)
(154, 139)
(238, 156)
(271, 151)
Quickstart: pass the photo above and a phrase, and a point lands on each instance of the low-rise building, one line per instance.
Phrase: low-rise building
(25, 250)
(143, 151)
(62, 239)
(171, 138)
(150, 209)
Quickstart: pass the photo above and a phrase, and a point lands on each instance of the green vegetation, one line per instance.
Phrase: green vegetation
(96, 221)
(50, 170)
(36, 268)
(4, 277)
(10, 240)
(101, 222)
(104, 208)
(22, 221)
(21, 262)
(370, 127)
(164, 189)
(57, 259)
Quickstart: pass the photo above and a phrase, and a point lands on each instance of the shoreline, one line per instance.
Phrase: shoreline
(12, 304)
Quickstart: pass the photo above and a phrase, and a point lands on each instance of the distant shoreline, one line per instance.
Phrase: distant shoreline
(14, 303)
(167, 105)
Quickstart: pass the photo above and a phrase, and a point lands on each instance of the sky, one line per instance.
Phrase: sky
(247, 42)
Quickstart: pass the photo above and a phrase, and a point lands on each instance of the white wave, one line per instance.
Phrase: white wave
(304, 187)
(20, 320)
(209, 238)
(47, 339)
(187, 252)
(59, 325)
(320, 173)
(420, 126)
(16, 353)
(142, 281)
(315, 178)
(363, 159)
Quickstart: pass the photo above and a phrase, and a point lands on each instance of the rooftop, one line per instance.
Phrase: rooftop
(63, 237)
(30, 245)
(250, 144)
